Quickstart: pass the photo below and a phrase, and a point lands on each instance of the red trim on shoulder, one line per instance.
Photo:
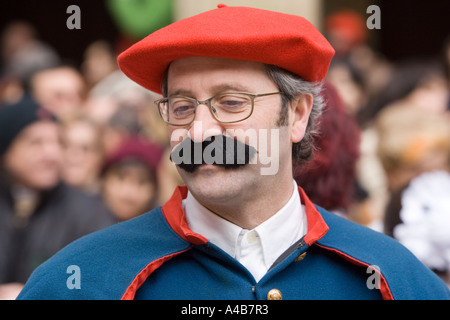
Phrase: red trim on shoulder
(316, 225)
(175, 216)
(386, 293)
(317, 228)
(140, 278)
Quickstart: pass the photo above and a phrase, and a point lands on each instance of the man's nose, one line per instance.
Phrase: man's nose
(204, 125)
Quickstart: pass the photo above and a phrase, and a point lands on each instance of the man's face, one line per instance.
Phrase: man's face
(202, 78)
(33, 159)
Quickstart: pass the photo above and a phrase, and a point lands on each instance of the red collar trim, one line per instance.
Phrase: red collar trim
(175, 216)
(316, 225)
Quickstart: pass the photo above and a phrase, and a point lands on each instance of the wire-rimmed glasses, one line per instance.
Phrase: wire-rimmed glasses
(229, 107)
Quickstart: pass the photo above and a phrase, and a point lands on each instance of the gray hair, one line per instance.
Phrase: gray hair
(290, 86)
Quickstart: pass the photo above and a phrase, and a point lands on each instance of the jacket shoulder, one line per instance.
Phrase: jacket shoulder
(404, 276)
(103, 264)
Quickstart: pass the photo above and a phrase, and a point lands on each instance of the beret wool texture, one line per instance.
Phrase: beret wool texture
(287, 41)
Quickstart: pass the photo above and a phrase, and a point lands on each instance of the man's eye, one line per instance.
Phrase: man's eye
(181, 110)
(232, 102)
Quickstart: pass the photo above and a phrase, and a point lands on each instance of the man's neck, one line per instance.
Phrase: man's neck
(247, 211)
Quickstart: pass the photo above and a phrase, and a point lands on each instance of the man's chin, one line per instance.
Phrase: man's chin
(212, 183)
(208, 176)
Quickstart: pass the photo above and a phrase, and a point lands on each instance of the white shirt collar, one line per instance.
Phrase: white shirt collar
(275, 235)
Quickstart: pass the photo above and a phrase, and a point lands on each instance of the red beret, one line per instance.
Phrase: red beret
(287, 41)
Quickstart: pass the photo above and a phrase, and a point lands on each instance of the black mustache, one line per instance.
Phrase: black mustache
(219, 150)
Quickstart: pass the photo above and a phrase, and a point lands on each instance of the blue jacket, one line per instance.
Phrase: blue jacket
(157, 256)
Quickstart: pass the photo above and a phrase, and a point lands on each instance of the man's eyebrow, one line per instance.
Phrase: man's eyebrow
(181, 92)
(229, 87)
(216, 89)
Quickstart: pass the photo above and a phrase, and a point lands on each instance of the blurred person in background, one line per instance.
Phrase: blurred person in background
(22, 55)
(100, 109)
(410, 122)
(130, 112)
(330, 178)
(99, 62)
(129, 183)
(349, 85)
(61, 90)
(420, 83)
(168, 177)
(122, 125)
(117, 97)
(357, 71)
(418, 217)
(411, 142)
(126, 109)
(419, 86)
(39, 214)
(83, 155)
(346, 31)
(414, 148)
(446, 59)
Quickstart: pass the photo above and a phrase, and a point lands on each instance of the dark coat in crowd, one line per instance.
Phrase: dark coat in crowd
(62, 215)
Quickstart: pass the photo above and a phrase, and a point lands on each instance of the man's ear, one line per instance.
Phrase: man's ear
(299, 112)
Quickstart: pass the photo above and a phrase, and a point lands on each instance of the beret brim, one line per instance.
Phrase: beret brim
(287, 41)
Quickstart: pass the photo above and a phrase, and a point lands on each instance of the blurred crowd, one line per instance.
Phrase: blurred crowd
(83, 147)
(388, 166)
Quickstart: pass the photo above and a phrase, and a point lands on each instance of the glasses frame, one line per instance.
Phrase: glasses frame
(211, 108)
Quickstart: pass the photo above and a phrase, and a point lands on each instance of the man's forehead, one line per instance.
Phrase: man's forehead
(189, 65)
(222, 74)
